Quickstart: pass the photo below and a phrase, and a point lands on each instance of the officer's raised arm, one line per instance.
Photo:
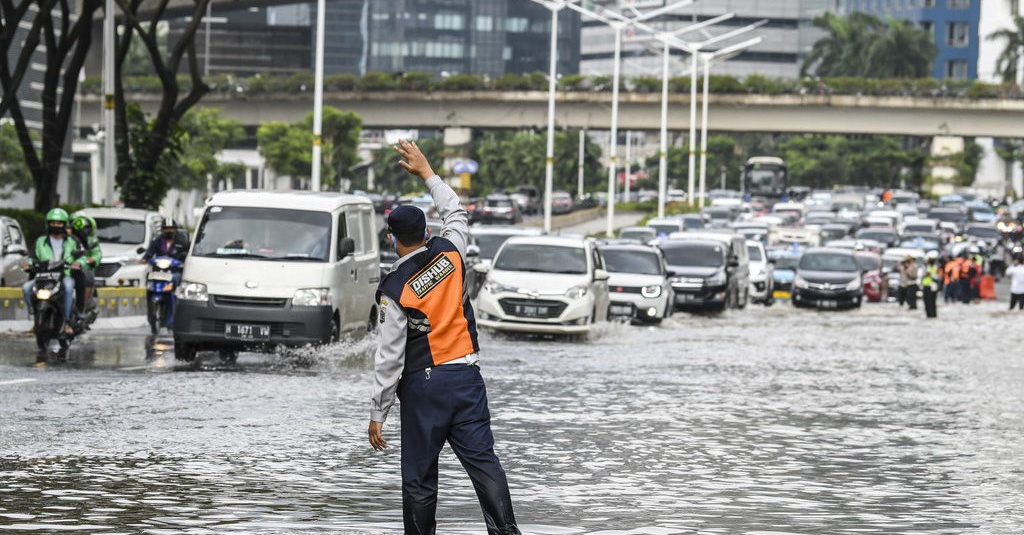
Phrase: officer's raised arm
(455, 219)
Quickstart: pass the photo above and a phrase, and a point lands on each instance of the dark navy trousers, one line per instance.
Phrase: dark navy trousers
(449, 404)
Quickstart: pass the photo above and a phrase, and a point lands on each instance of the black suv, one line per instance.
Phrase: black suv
(828, 278)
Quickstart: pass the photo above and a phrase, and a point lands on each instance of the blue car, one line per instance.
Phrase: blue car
(785, 260)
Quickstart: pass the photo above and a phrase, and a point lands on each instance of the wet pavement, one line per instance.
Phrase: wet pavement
(765, 420)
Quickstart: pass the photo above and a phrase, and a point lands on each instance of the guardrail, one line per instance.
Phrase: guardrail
(112, 302)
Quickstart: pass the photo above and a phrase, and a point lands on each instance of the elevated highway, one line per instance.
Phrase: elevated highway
(828, 114)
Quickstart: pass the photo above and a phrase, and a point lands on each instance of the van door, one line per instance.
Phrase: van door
(364, 267)
(343, 270)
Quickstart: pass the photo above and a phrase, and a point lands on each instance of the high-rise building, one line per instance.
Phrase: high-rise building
(954, 23)
(788, 36)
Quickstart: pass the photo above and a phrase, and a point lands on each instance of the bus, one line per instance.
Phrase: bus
(766, 176)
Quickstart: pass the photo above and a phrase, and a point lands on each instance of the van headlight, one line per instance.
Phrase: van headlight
(853, 285)
(800, 282)
(497, 287)
(192, 291)
(651, 291)
(717, 279)
(312, 297)
(577, 291)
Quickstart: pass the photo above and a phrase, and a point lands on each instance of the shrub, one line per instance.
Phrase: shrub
(376, 81)
(679, 84)
(416, 81)
(340, 82)
(645, 84)
(982, 90)
(573, 82)
(721, 83)
(299, 82)
(510, 82)
(601, 83)
(92, 85)
(536, 81)
(762, 85)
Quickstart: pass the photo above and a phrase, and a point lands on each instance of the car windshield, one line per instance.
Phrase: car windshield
(632, 262)
(868, 263)
(264, 233)
(754, 253)
(664, 229)
(692, 222)
(490, 243)
(127, 231)
(983, 232)
(949, 216)
(828, 262)
(695, 254)
(884, 237)
(638, 235)
(919, 228)
(542, 259)
(498, 203)
(786, 262)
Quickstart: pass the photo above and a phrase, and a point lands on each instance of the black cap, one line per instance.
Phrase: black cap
(407, 220)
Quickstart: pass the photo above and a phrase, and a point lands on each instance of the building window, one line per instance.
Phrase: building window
(449, 21)
(956, 69)
(484, 24)
(929, 3)
(958, 34)
(959, 4)
(506, 53)
(517, 24)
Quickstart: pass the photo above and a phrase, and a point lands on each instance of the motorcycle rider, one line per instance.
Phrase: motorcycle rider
(83, 228)
(55, 244)
(170, 243)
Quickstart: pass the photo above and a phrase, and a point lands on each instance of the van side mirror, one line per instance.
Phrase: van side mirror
(734, 263)
(346, 246)
(140, 250)
(472, 251)
(481, 268)
(670, 273)
(601, 275)
(15, 248)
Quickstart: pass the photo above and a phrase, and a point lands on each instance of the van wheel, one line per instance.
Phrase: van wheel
(229, 356)
(183, 351)
(335, 329)
(371, 324)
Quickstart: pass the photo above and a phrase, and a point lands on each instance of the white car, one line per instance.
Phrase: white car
(122, 232)
(638, 283)
(544, 284)
(761, 279)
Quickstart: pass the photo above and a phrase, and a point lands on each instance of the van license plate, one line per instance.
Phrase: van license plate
(828, 303)
(531, 311)
(245, 331)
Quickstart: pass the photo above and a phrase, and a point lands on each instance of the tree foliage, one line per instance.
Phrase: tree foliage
(287, 148)
(390, 177)
(723, 152)
(508, 159)
(823, 161)
(862, 45)
(1009, 58)
(204, 133)
(14, 173)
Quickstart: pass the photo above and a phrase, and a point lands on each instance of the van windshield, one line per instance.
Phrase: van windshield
(264, 233)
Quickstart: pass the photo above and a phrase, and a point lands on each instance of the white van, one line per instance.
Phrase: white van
(271, 268)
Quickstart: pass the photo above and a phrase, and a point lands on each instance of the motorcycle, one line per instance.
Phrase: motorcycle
(48, 307)
(160, 298)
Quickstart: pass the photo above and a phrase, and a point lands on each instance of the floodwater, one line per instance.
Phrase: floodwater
(761, 421)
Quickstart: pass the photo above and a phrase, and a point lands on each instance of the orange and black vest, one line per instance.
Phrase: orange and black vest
(430, 289)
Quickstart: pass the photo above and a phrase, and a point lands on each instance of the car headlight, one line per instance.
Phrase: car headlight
(163, 263)
(853, 285)
(192, 291)
(651, 291)
(312, 297)
(497, 287)
(576, 291)
(717, 279)
(799, 282)
(43, 294)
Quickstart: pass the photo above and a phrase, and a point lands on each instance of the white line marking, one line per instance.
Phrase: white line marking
(16, 381)
(134, 368)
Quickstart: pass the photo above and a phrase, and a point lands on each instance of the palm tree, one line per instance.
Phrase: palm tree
(902, 50)
(842, 51)
(1009, 60)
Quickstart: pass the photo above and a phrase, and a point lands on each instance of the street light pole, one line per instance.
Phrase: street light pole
(613, 142)
(109, 154)
(318, 94)
(579, 165)
(549, 160)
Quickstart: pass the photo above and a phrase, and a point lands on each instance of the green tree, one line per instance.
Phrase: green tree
(677, 160)
(902, 50)
(1009, 59)
(822, 161)
(390, 177)
(508, 159)
(204, 134)
(14, 173)
(842, 50)
(965, 162)
(286, 148)
(339, 143)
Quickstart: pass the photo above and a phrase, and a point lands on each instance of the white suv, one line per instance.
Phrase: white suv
(122, 232)
(544, 284)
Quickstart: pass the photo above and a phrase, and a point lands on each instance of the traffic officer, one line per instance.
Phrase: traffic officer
(428, 356)
(930, 282)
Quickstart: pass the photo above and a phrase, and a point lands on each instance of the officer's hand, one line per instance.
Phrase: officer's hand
(376, 437)
(415, 162)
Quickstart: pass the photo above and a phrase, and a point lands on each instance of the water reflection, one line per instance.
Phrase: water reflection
(760, 421)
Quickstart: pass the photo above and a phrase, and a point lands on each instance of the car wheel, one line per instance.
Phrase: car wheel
(183, 351)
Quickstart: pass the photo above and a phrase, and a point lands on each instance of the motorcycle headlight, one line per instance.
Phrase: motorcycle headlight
(800, 282)
(854, 285)
(312, 297)
(163, 263)
(192, 291)
(717, 279)
(497, 288)
(576, 291)
(651, 291)
(43, 294)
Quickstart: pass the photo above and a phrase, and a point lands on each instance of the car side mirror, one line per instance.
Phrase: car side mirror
(772, 260)
(472, 251)
(601, 275)
(15, 248)
(140, 250)
(734, 263)
(346, 246)
(670, 273)
(482, 268)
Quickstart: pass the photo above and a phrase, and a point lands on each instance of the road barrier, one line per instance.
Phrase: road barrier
(112, 302)
(568, 220)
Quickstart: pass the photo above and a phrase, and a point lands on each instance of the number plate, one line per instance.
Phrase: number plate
(50, 276)
(531, 311)
(685, 297)
(246, 331)
(161, 276)
(621, 310)
(828, 303)
(781, 294)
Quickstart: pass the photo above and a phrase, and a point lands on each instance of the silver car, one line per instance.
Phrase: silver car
(14, 252)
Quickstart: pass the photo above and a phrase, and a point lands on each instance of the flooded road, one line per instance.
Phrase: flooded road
(765, 420)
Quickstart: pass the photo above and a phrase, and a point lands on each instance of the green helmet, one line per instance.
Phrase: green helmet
(57, 214)
(80, 222)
